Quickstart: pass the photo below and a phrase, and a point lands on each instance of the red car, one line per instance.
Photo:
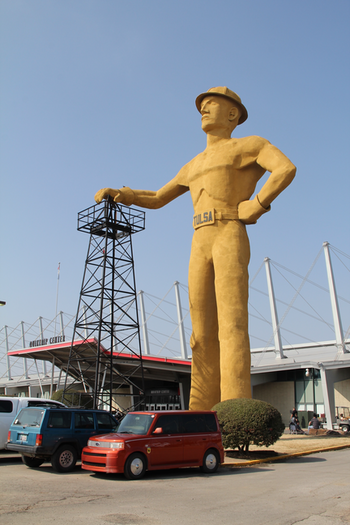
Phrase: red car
(157, 440)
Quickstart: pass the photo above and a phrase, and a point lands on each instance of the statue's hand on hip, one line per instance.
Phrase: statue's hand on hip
(250, 211)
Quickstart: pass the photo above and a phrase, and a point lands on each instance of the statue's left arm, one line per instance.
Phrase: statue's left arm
(145, 198)
(282, 172)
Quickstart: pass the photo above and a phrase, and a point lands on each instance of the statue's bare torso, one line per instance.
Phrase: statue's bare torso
(223, 175)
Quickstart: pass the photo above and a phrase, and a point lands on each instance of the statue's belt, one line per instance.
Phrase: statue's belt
(207, 217)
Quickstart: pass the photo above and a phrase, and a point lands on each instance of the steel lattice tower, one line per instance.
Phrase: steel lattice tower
(105, 358)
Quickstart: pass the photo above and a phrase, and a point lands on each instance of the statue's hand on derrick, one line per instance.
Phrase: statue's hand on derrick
(123, 195)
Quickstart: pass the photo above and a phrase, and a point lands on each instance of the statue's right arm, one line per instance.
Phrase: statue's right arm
(147, 199)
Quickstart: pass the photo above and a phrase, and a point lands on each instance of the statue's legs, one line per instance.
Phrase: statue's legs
(218, 288)
(205, 371)
(231, 254)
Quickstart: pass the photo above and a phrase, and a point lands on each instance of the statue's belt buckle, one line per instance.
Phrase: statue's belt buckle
(204, 218)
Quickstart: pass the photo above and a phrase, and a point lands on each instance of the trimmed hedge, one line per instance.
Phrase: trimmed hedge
(245, 422)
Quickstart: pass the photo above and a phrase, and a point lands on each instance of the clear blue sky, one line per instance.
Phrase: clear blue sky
(98, 93)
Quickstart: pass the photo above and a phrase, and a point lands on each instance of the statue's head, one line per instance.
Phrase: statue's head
(220, 105)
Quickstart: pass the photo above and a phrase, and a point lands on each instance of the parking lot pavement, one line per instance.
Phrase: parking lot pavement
(310, 489)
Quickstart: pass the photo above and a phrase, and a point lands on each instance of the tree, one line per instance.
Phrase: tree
(248, 421)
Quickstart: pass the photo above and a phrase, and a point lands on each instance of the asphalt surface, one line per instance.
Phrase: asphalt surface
(312, 489)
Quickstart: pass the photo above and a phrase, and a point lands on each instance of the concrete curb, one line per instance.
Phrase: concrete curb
(284, 456)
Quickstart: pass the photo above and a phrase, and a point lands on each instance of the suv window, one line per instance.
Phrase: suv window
(84, 420)
(48, 404)
(29, 418)
(199, 423)
(106, 421)
(6, 406)
(59, 420)
(171, 424)
(187, 423)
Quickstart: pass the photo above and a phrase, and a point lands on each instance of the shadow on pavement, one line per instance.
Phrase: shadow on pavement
(182, 473)
(307, 459)
(7, 457)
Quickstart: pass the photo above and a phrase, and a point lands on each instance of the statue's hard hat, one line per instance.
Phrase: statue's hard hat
(227, 93)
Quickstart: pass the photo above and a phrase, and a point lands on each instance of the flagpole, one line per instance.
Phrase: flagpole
(58, 282)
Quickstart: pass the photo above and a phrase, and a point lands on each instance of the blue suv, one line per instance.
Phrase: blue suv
(56, 434)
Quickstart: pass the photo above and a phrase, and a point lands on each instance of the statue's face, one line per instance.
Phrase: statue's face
(215, 111)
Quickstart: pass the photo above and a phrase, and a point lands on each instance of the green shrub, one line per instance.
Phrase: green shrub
(57, 396)
(248, 421)
(73, 399)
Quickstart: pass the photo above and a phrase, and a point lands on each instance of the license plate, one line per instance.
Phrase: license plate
(23, 437)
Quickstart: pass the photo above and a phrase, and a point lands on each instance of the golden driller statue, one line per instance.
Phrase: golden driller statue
(222, 180)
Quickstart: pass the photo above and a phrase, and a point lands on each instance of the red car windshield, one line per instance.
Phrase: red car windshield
(136, 424)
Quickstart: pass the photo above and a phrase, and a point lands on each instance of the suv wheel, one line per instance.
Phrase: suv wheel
(135, 466)
(211, 461)
(32, 462)
(64, 459)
